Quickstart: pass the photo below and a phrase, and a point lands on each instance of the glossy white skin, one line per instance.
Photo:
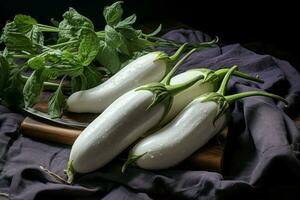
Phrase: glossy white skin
(145, 69)
(123, 122)
(179, 139)
(183, 98)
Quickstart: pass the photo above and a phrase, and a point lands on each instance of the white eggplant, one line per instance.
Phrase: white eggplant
(201, 120)
(186, 133)
(122, 123)
(151, 67)
(211, 82)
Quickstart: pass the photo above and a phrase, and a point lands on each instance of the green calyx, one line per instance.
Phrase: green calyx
(219, 99)
(172, 70)
(131, 161)
(161, 95)
(218, 96)
(208, 74)
(163, 91)
(216, 77)
(224, 101)
(70, 172)
(161, 56)
(170, 60)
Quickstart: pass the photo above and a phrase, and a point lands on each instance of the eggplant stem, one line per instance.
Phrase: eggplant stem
(223, 87)
(175, 56)
(131, 160)
(168, 77)
(172, 59)
(222, 72)
(57, 177)
(235, 97)
(175, 89)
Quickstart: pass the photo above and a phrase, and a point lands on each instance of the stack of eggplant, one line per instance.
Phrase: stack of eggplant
(163, 118)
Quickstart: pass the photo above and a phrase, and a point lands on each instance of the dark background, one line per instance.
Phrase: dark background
(267, 28)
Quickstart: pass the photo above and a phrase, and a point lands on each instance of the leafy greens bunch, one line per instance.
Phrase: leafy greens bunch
(75, 55)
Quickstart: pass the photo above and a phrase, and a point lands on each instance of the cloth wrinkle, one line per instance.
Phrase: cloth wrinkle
(261, 157)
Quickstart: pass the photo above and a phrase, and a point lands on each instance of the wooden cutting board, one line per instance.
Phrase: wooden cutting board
(208, 157)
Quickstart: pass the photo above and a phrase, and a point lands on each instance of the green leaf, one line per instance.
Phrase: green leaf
(78, 83)
(72, 25)
(65, 70)
(94, 76)
(126, 23)
(55, 56)
(115, 39)
(15, 41)
(135, 42)
(113, 13)
(58, 56)
(56, 103)
(24, 23)
(13, 94)
(88, 48)
(33, 87)
(108, 57)
(130, 33)
(112, 37)
(4, 75)
(36, 36)
(139, 44)
(37, 62)
(57, 63)
(22, 35)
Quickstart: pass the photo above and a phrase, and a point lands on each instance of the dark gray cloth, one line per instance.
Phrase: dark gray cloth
(261, 155)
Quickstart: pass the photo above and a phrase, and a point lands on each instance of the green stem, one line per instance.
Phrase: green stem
(20, 56)
(175, 56)
(234, 97)
(222, 72)
(101, 34)
(42, 46)
(170, 43)
(47, 26)
(48, 30)
(175, 89)
(50, 85)
(57, 177)
(168, 77)
(225, 81)
(163, 42)
(204, 45)
(131, 161)
(63, 44)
